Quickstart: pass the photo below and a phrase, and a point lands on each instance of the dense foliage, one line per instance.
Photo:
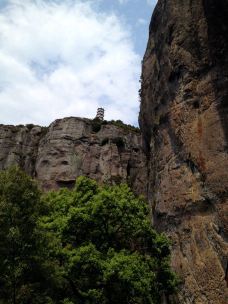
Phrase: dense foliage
(90, 245)
(21, 247)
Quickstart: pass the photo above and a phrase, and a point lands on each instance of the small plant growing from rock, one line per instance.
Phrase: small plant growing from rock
(119, 142)
(105, 141)
(96, 125)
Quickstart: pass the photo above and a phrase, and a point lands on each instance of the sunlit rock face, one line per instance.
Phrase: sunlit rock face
(71, 147)
(184, 121)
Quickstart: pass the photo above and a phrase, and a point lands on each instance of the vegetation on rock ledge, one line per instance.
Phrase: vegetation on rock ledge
(97, 123)
(90, 245)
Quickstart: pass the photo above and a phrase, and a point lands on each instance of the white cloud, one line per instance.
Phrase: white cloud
(141, 21)
(65, 59)
(123, 1)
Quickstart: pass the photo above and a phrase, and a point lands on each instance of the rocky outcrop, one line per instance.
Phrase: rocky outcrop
(71, 147)
(184, 120)
(19, 145)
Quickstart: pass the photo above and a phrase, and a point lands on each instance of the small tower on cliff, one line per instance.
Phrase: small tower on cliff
(100, 114)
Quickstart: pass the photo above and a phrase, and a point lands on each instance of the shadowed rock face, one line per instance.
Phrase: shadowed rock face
(184, 120)
(70, 147)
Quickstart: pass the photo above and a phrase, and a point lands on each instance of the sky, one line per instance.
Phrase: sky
(61, 58)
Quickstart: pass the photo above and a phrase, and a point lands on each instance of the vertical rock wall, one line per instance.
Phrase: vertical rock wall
(70, 147)
(19, 145)
(184, 120)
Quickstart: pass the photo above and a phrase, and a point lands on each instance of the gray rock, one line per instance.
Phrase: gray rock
(184, 121)
(69, 147)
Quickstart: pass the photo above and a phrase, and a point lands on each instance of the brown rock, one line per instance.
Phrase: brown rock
(71, 147)
(18, 145)
(184, 120)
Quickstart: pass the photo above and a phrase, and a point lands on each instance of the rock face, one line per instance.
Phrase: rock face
(184, 120)
(71, 147)
(19, 145)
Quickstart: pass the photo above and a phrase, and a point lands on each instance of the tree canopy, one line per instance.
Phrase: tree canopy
(94, 244)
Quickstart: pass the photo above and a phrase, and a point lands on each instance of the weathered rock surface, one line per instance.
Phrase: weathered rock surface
(19, 145)
(184, 120)
(69, 147)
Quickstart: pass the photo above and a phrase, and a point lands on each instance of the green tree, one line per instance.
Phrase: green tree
(20, 241)
(92, 245)
(105, 247)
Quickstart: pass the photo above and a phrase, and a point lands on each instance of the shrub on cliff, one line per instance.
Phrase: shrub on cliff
(96, 125)
(124, 126)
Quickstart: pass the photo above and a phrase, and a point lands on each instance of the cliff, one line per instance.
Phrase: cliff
(71, 147)
(184, 121)
(184, 124)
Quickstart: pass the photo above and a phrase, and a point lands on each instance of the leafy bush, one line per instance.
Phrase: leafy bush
(119, 142)
(96, 125)
(108, 251)
(105, 141)
(44, 131)
(30, 126)
(124, 126)
(21, 253)
(90, 245)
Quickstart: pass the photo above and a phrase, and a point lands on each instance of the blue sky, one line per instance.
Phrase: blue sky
(136, 14)
(66, 58)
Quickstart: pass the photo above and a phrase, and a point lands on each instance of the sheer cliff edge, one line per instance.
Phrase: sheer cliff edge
(184, 121)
